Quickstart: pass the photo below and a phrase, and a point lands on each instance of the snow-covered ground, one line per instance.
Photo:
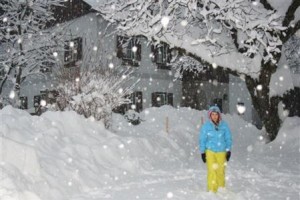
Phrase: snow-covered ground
(63, 156)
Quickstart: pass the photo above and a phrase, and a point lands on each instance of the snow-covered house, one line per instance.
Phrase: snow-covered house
(86, 32)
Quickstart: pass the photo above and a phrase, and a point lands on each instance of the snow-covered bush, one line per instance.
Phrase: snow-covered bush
(94, 93)
(133, 117)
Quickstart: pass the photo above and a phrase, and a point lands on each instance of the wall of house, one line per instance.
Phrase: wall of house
(85, 27)
(99, 40)
(151, 78)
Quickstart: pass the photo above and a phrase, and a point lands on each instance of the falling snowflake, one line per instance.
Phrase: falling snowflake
(134, 49)
(214, 65)
(151, 55)
(111, 65)
(165, 21)
(43, 103)
(170, 195)
(241, 108)
(281, 78)
(259, 87)
(12, 94)
(184, 23)
(250, 148)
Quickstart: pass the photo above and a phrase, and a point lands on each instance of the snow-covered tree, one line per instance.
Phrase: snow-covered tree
(292, 53)
(95, 91)
(243, 36)
(27, 43)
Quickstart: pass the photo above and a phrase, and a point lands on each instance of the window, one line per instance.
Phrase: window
(73, 52)
(37, 100)
(161, 56)
(136, 101)
(23, 103)
(46, 67)
(50, 96)
(129, 50)
(162, 98)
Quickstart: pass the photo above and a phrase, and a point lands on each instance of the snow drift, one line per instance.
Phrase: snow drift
(61, 155)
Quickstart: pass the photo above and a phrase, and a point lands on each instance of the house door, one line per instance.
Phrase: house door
(219, 103)
(200, 100)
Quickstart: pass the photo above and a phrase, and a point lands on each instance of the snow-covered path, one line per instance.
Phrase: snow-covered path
(63, 156)
(189, 184)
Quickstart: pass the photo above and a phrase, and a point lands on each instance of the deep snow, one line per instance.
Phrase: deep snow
(63, 156)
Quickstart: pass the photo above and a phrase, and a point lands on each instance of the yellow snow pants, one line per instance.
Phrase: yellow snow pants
(215, 162)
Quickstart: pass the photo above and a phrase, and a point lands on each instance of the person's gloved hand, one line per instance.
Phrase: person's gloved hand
(203, 156)
(228, 154)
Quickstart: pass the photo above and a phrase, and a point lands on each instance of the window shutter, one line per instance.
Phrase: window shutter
(67, 53)
(154, 100)
(36, 100)
(154, 53)
(169, 54)
(170, 99)
(137, 43)
(120, 42)
(23, 103)
(139, 106)
(79, 50)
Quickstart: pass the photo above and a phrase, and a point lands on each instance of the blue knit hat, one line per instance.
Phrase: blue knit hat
(214, 109)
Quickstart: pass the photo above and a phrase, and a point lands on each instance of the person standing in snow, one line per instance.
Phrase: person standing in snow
(215, 146)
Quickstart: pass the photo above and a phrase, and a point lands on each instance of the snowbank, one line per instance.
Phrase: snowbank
(61, 155)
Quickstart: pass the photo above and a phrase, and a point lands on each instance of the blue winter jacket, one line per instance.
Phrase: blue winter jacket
(215, 138)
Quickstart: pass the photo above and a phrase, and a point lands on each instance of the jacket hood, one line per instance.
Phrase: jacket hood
(214, 109)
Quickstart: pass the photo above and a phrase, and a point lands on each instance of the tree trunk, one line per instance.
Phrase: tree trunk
(17, 87)
(266, 107)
